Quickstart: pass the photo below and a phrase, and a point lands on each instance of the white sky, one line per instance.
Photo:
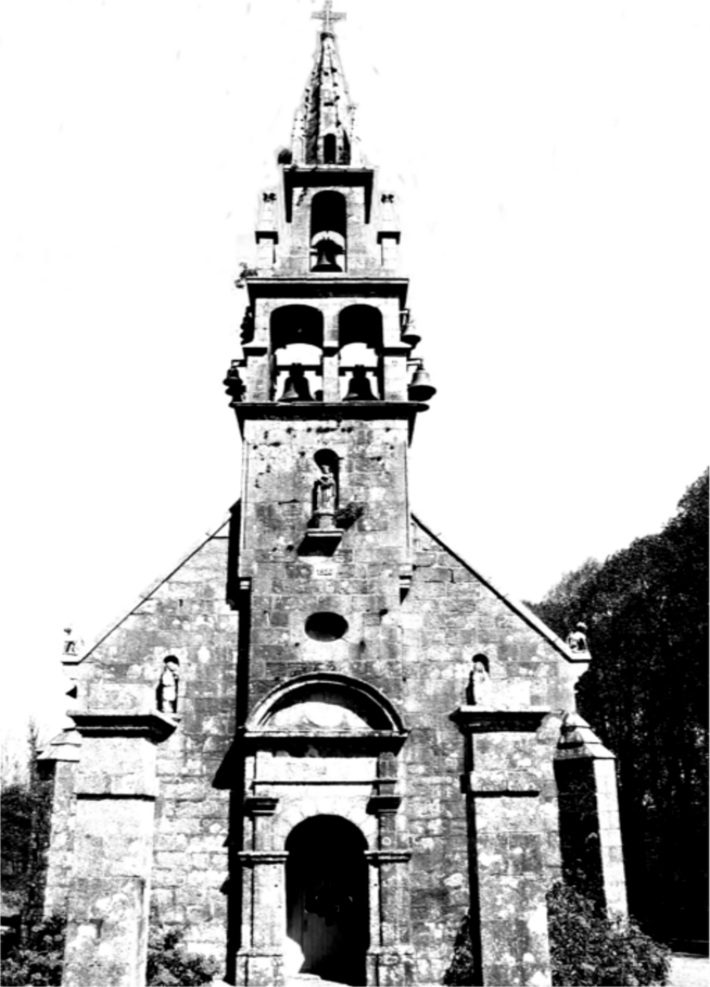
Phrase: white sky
(551, 160)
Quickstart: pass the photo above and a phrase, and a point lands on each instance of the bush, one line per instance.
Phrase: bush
(462, 970)
(588, 949)
(170, 964)
(37, 960)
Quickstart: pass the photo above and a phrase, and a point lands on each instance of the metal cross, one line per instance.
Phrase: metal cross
(328, 16)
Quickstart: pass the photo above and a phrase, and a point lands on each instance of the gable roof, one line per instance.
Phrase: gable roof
(518, 608)
(151, 590)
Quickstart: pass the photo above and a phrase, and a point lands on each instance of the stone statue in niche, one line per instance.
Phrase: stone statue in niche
(577, 640)
(325, 495)
(168, 686)
(479, 682)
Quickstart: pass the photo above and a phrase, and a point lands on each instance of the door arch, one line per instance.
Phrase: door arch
(327, 898)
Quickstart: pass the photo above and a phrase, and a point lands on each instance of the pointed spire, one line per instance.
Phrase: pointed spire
(323, 124)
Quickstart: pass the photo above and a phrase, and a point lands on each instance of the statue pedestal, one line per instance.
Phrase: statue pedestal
(320, 541)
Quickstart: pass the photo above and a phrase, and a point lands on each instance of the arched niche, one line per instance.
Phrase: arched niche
(352, 705)
(330, 149)
(297, 338)
(328, 232)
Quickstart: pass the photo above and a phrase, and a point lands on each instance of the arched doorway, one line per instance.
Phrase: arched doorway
(327, 898)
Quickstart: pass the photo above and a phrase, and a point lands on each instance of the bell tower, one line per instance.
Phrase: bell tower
(326, 395)
(328, 387)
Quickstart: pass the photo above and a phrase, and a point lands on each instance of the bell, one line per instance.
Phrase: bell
(326, 254)
(359, 388)
(296, 387)
(421, 388)
(290, 393)
(411, 339)
(233, 383)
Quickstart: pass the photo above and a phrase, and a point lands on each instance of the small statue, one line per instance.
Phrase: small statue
(69, 642)
(479, 683)
(168, 686)
(577, 640)
(325, 495)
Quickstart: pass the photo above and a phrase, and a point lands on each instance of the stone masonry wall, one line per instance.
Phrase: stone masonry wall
(448, 616)
(186, 616)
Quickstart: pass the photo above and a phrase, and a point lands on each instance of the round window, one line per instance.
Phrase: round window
(326, 626)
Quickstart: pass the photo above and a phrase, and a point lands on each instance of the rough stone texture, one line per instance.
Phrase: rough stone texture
(59, 860)
(589, 814)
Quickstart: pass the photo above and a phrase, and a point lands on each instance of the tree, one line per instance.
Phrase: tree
(645, 694)
(25, 817)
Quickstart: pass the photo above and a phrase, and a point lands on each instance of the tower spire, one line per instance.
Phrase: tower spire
(323, 126)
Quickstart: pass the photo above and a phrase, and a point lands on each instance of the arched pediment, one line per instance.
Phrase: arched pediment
(326, 703)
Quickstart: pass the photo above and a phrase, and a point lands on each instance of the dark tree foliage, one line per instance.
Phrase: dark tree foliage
(16, 804)
(646, 695)
(37, 958)
(169, 963)
(588, 948)
(462, 969)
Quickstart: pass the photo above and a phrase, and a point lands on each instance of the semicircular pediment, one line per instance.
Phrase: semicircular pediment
(326, 703)
(316, 714)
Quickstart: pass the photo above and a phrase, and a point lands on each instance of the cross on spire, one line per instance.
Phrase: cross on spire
(327, 15)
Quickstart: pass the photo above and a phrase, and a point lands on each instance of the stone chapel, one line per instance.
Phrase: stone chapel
(324, 738)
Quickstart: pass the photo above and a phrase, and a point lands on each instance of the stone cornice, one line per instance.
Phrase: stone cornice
(152, 726)
(482, 719)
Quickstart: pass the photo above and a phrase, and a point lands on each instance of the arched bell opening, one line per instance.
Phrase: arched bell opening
(360, 360)
(328, 232)
(330, 149)
(327, 899)
(297, 353)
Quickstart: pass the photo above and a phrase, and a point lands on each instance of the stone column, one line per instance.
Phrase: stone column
(331, 373)
(513, 844)
(592, 856)
(116, 788)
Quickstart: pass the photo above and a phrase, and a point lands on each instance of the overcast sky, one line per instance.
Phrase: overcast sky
(551, 160)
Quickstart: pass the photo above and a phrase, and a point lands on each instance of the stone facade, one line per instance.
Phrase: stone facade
(324, 738)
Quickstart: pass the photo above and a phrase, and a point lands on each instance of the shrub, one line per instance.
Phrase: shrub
(462, 970)
(37, 959)
(170, 964)
(589, 949)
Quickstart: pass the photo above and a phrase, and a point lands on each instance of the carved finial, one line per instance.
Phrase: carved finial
(577, 640)
(327, 15)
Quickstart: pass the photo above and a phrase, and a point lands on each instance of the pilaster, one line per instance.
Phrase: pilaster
(512, 839)
(116, 789)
